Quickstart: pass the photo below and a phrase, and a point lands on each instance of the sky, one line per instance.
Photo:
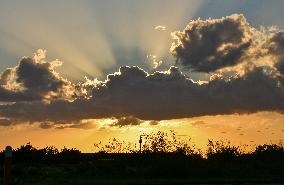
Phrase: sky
(74, 73)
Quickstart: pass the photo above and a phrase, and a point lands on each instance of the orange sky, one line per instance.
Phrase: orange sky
(258, 128)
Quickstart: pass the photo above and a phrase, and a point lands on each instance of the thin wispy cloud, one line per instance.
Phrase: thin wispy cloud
(160, 28)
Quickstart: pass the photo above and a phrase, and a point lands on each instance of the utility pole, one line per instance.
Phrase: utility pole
(8, 166)
(140, 141)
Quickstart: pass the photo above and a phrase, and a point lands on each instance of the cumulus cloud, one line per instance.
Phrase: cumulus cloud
(208, 45)
(276, 48)
(34, 79)
(133, 95)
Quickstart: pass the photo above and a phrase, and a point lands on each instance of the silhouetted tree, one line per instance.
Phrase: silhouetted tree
(222, 150)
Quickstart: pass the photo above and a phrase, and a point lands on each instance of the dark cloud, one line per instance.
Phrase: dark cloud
(132, 94)
(5, 122)
(276, 48)
(32, 80)
(208, 45)
(46, 125)
(14, 96)
(126, 121)
(153, 122)
(87, 125)
(71, 124)
(37, 77)
(6, 93)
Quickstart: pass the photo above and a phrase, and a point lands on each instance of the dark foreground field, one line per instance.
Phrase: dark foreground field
(48, 166)
(163, 159)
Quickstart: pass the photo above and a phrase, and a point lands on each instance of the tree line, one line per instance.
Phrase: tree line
(163, 154)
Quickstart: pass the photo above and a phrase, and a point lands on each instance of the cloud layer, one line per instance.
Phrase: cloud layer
(39, 94)
(158, 96)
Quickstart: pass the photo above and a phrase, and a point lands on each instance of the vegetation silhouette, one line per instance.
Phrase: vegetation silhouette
(164, 155)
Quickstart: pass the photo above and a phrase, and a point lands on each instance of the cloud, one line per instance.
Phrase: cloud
(82, 124)
(132, 95)
(160, 27)
(46, 125)
(276, 48)
(153, 60)
(153, 122)
(33, 79)
(198, 123)
(126, 121)
(208, 45)
(5, 122)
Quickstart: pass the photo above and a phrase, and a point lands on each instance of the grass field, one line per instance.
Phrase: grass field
(139, 181)
(71, 175)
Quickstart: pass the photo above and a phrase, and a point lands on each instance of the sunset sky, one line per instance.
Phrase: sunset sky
(73, 73)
